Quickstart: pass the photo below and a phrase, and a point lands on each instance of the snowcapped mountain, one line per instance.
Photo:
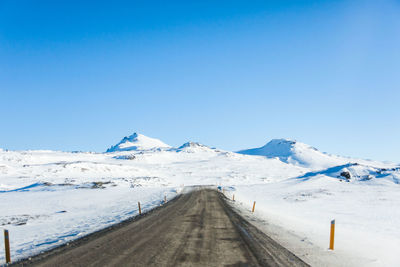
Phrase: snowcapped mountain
(293, 152)
(137, 142)
(323, 164)
(193, 147)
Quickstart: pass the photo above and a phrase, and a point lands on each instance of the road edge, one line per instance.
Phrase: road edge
(258, 242)
(87, 238)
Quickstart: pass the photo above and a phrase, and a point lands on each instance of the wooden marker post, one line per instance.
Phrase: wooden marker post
(332, 240)
(140, 209)
(254, 206)
(7, 246)
(233, 197)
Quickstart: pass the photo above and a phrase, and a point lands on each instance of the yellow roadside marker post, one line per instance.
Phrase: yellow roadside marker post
(7, 246)
(254, 206)
(332, 239)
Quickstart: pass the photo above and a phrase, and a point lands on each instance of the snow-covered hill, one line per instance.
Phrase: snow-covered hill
(137, 142)
(193, 147)
(296, 153)
(355, 172)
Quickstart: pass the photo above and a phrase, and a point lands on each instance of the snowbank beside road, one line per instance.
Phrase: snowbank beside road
(367, 219)
(42, 217)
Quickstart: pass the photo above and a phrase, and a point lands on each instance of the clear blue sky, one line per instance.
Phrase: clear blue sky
(230, 74)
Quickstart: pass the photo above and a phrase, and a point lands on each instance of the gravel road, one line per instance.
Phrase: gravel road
(196, 229)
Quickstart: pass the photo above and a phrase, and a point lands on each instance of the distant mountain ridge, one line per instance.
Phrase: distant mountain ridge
(140, 142)
(286, 150)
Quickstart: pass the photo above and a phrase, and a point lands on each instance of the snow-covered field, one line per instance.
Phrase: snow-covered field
(367, 219)
(50, 197)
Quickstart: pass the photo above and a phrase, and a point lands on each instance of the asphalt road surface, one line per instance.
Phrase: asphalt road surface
(196, 229)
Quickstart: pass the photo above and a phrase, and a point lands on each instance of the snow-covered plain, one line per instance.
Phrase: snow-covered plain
(49, 197)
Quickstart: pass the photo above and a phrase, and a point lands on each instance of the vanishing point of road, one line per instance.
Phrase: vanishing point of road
(196, 229)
